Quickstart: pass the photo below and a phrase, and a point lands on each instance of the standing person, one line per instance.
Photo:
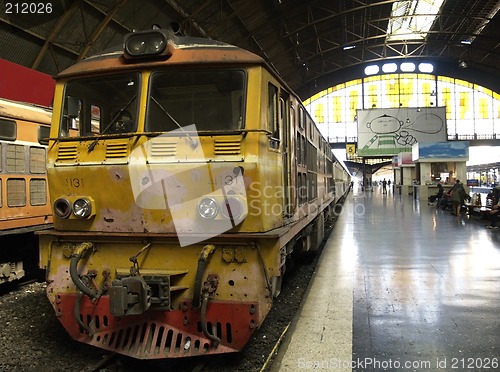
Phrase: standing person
(493, 215)
(384, 186)
(440, 190)
(458, 195)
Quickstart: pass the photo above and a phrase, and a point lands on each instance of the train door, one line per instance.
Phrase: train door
(286, 153)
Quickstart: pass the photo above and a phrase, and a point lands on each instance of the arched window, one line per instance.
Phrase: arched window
(472, 111)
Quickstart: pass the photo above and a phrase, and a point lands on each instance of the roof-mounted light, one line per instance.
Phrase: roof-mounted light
(151, 43)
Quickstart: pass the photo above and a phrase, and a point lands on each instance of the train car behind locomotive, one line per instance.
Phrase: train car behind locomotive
(183, 173)
(24, 201)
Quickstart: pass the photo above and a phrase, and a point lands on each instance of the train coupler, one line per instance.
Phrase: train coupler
(129, 296)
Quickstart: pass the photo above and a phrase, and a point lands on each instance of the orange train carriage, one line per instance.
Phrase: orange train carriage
(192, 174)
(24, 202)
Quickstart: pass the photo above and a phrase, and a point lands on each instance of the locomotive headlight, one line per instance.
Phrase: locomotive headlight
(233, 208)
(82, 208)
(136, 46)
(157, 44)
(208, 208)
(62, 208)
(145, 44)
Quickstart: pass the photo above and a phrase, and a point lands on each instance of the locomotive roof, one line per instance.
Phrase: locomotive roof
(184, 50)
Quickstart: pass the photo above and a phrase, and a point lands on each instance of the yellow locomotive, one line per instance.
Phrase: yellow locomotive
(183, 172)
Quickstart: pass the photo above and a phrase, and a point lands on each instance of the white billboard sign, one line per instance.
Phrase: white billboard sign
(387, 132)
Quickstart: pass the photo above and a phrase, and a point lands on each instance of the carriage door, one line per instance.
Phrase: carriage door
(285, 120)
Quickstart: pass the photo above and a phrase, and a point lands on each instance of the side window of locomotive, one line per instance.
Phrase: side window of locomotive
(301, 118)
(70, 120)
(272, 115)
(210, 99)
(310, 128)
(284, 117)
(95, 119)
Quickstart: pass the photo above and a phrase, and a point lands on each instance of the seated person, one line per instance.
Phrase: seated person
(445, 201)
(439, 194)
(123, 123)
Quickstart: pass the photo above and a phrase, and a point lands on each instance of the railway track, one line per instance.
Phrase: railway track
(36, 341)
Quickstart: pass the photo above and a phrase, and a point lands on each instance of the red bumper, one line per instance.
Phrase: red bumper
(159, 334)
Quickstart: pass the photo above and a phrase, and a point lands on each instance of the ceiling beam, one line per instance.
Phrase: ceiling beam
(36, 35)
(54, 33)
(100, 28)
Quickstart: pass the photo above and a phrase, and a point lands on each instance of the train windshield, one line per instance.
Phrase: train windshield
(213, 100)
(100, 105)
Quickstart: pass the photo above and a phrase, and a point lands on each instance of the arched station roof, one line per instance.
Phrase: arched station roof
(312, 44)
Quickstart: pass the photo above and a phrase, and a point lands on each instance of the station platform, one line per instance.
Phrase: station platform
(400, 286)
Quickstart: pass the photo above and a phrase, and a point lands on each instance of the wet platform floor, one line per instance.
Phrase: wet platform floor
(400, 286)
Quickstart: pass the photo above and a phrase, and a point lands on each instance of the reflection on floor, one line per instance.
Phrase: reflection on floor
(400, 285)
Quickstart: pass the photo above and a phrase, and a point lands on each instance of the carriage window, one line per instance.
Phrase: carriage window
(101, 105)
(209, 99)
(43, 135)
(8, 130)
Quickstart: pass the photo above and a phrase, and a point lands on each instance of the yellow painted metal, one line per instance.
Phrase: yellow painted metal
(74, 171)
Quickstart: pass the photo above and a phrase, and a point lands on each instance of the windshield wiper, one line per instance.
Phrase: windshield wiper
(118, 114)
(194, 143)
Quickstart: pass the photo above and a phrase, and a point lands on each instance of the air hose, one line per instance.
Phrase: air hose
(77, 315)
(203, 320)
(76, 256)
(206, 252)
